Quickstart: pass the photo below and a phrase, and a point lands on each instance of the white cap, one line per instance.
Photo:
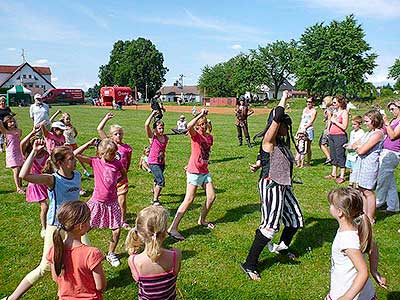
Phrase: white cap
(182, 117)
(59, 125)
(37, 97)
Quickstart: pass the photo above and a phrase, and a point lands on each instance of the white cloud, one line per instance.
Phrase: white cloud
(88, 12)
(370, 8)
(54, 79)
(12, 49)
(236, 47)
(41, 62)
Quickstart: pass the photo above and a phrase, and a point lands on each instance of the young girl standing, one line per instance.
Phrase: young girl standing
(63, 186)
(36, 192)
(197, 174)
(156, 268)
(104, 208)
(355, 135)
(349, 271)
(76, 267)
(124, 155)
(158, 143)
(14, 157)
(70, 134)
(55, 137)
(366, 167)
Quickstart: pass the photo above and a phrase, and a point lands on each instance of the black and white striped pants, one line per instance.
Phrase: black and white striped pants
(278, 202)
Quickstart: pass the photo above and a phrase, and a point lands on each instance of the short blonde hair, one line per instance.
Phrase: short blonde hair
(115, 127)
(105, 148)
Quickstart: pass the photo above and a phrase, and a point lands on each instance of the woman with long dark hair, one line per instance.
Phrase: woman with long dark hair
(278, 202)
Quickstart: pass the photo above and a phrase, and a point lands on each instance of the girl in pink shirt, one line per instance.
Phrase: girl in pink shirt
(197, 174)
(158, 144)
(124, 155)
(104, 207)
(55, 137)
(36, 192)
(75, 267)
(14, 157)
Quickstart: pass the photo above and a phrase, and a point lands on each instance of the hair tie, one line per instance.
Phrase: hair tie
(154, 236)
(357, 220)
(61, 226)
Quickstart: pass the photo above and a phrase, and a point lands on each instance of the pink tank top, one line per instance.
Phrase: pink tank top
(157, 151)
(334, 129)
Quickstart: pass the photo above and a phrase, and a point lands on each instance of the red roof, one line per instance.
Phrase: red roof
(11, 69)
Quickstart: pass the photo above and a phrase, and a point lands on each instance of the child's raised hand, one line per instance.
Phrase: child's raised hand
(38, 145)
(204, 111)
(109, 116)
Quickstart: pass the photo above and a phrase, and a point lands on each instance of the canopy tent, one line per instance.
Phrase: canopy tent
(18, 95)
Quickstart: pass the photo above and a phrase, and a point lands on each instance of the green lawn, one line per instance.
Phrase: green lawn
(210, 267)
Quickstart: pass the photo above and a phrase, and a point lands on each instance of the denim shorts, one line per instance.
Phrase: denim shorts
(198, 179)
(158, 174)
(310, 133)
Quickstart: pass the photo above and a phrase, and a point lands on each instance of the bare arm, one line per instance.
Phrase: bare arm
(54, 116)
(373, 266)
(24, 143)
(375, 138)
(358, 261)
(44, 129)
(2, 128)
(78, 151)
(192, 123)
(149, 132)
(250, 111)
(393, 134)
(99, 278)
(344, 123)
(103, 122)
(270, 135)
(25, 172)
(313, 117)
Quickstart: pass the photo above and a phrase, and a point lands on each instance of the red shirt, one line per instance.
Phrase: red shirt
(201, 147)
(76, 280)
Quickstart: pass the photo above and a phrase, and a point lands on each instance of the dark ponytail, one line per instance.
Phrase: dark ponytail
(58, 250)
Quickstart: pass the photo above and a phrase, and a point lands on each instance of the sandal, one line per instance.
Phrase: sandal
(252, 274)
(330, 176)
(340, 180)
(21, 191)
(208, 225)
(177, 236)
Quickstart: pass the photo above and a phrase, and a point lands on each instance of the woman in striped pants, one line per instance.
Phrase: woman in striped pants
(278, 202)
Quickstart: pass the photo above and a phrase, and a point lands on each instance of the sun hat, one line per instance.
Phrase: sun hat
(37, 97)
(59, 125)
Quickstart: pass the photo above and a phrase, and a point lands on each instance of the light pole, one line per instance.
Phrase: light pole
(146, 92)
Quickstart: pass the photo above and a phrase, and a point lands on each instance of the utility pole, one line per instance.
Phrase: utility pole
(23, 56)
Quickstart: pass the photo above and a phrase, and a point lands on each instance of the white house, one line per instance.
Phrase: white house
(189, 93)
(37, 79)
(269, 90)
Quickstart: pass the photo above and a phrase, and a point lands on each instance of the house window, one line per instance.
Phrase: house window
(30, 76)
(24, 76)
(35, 78)
(36, 86)
(19, 77)
(31, 85)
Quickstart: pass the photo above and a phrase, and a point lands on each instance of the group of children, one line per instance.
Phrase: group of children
(49, 165)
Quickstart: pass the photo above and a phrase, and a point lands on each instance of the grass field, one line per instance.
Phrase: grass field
(210, 267)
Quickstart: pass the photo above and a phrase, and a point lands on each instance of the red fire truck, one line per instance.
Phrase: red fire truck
(114, 93)
(71, 96)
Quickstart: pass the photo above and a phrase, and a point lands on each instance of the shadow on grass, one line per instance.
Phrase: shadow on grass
(393, 295)
(225, 159)
(235, 214)
(123, 279)
(197, 230)
(6, 192)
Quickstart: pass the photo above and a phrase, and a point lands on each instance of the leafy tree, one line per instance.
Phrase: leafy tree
(134, 63)
(394, 71)
(243, 74)
(93, 92)
(274, 63)
(216, 80)
(334, 58)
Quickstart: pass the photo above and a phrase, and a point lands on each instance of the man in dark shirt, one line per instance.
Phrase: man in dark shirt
(4, 111)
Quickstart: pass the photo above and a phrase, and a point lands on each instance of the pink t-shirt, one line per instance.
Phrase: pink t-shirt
(201, 147)
(53, 141)
(124, 155)
(157, 151)
(76, 280)
(106, 176)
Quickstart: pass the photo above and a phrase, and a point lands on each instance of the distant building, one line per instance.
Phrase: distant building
(268, 90)
(189, 93)
(37, 79)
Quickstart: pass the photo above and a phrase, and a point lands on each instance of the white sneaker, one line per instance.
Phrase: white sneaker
(113, 259)
(274, 248)
(43, 233)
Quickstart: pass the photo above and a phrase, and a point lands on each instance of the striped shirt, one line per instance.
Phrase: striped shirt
(158, 286)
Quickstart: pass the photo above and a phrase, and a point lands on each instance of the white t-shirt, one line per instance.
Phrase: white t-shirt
(39, 113)
(354, 136)
(181, 125)
(343, 271)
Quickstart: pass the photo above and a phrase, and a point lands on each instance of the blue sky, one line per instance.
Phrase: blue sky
(74, 38)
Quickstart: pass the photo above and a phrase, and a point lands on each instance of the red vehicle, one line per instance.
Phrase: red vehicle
(114, 93)
(71, 96)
